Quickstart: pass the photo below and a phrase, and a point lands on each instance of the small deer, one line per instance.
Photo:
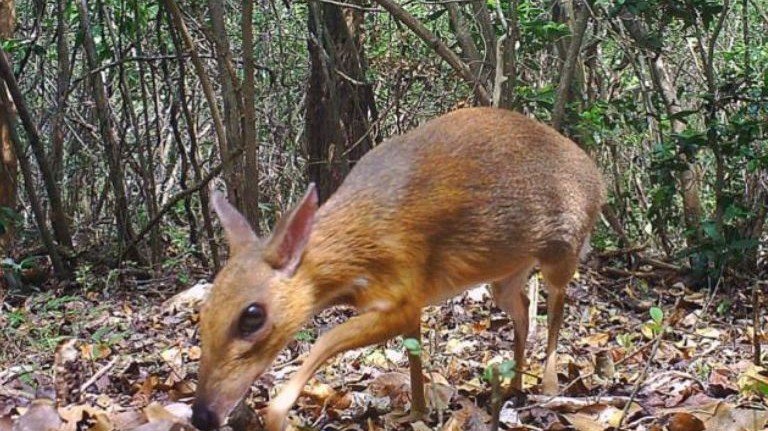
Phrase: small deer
(477, 195)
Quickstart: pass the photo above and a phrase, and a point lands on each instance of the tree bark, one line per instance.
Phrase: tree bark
(564, 90)
(56, 214)
(233, 106)
(62, 87)
(340, 104)
(505, 76)
(29, 182)
(250, 195)
(483, 19)
(464, 38)
(8, 163)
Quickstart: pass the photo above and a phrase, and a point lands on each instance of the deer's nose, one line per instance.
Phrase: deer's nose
(203, 417)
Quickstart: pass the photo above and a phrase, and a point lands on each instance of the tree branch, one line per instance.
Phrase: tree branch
(569, 67)
(439, 46)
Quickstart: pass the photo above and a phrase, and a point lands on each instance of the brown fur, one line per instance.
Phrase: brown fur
(477, 195)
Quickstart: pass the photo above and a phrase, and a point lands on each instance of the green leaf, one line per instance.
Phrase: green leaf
(682, 114)
(304, 335)
(488, 373)
(743, 244)
(657, 315)
(413, 346)
(507, 369)
(710, 229)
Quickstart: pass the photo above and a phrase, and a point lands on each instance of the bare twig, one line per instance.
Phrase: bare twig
(353, 6)
(550, 402)
(16, 393)
(438, 46)
(103, 370)
(643, 376)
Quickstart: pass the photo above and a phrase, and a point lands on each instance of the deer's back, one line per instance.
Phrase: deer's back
(477, 187)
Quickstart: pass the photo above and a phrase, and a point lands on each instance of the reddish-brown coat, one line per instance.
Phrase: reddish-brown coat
(477, 195)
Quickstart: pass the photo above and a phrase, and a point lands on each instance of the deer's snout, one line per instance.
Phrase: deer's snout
(203, 417)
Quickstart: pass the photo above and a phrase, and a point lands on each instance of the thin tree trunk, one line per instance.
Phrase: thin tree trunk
(109, 136)
(505, 77)
(205, 81)
(29, 183)
(192, 132)
(57, 216)
(184, 156)
(483, 19)
(689, 179)
(230, 93)
(250, 195)
(340, 102)
(155, 241)
(8, 163)
(569, 66)
(62, 87)
(464, 38)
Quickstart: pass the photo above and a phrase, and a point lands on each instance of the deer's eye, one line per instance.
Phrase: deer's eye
(252, 319)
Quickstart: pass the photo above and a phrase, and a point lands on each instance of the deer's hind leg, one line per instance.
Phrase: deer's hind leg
(556, 273)
(509, 294)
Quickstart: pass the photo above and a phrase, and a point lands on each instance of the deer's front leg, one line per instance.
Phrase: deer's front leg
(369, 328)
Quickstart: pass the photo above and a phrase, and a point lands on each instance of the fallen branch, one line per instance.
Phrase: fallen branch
(16, 393)
(660, 264)
(636, 274)
(644, 375)
(575, 403)
(616, 253)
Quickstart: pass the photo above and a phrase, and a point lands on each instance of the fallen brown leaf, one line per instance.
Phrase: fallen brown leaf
(40, 416)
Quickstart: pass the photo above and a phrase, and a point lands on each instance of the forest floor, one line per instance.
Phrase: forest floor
(129, 361)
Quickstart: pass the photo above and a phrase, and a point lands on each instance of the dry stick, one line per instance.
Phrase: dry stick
(103, 370)
(15, 393)
(557, 402)
(418, 400)
(641, 379)
(542, 400)
(352, 6)
(439, 46)
(124, 60)
(499, 78)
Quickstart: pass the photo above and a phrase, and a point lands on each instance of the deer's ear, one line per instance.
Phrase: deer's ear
(285, 247)
(239, 233)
